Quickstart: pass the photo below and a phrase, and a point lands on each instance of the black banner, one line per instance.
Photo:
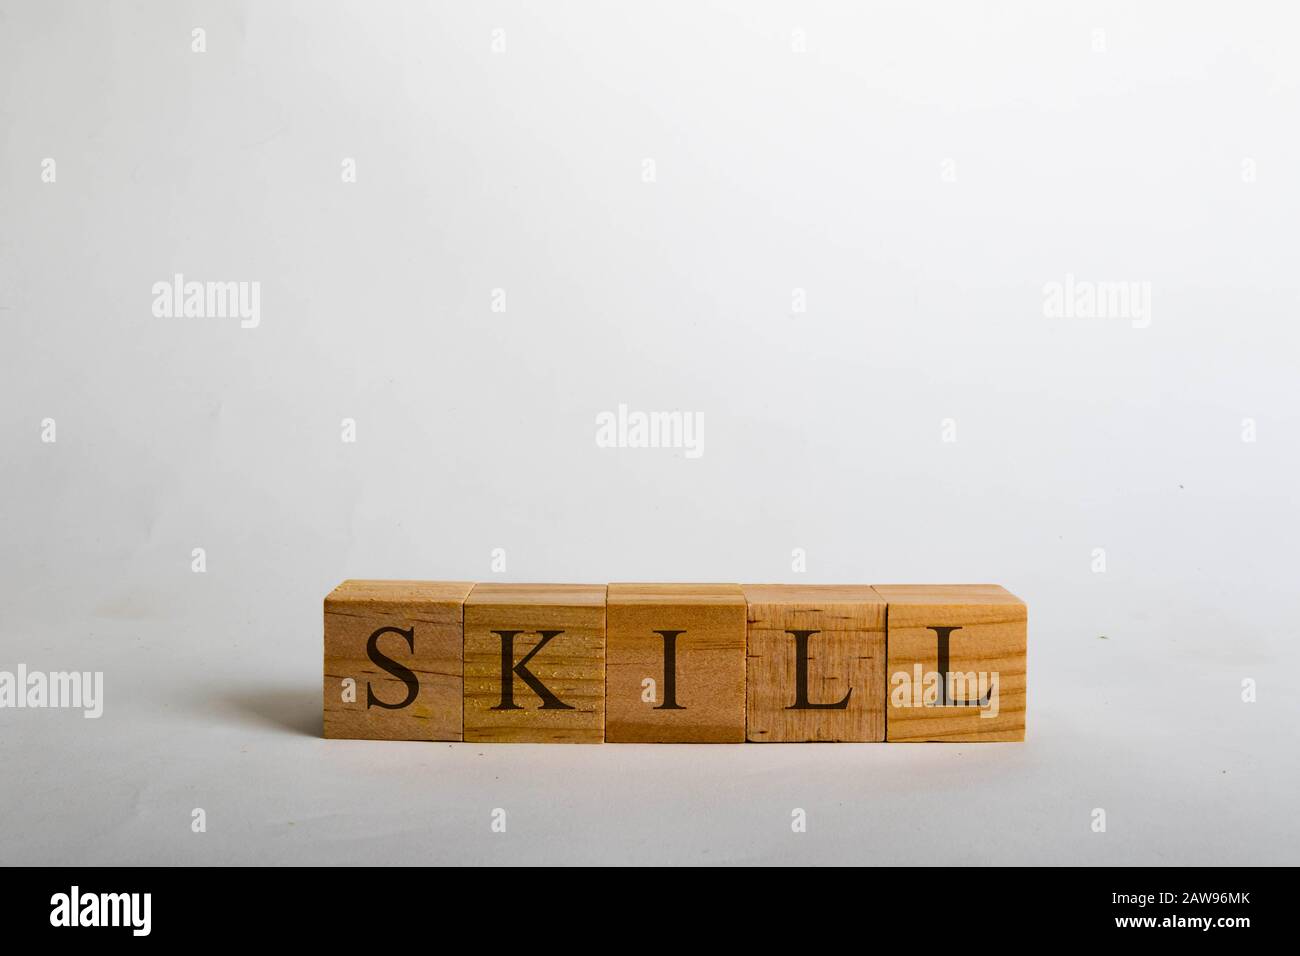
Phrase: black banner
(947, 906)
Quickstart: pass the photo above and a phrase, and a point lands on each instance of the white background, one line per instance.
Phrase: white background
(1119, 158)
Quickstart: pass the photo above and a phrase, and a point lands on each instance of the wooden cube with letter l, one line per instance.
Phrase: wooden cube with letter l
(393, 660)
(816, 663)
(675, 664)
(535, 663)
(956, 666)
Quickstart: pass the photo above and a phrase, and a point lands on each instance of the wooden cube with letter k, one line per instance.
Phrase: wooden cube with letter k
(956, 666)
(393, 660)
(535, 663)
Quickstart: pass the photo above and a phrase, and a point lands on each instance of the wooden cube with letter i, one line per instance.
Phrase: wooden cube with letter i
(956, 666)
(675, 664)
(535, 663)
(393, 660)
(816, 663)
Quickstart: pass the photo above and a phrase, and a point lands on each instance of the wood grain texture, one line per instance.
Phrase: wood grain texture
(570, 665)
(707, 683)
(846, 657)
(430, 615)
(989, 636)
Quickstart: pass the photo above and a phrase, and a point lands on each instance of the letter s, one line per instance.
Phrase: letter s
(404, 674)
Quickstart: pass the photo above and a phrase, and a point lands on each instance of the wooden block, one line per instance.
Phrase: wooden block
(675, 664)
(535, 663)
(956, 662)
(816, 663)
(399, 643)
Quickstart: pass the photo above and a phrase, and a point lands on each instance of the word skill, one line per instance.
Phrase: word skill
(674, 663)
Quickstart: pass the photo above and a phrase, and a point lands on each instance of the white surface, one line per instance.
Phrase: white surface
(522, 171)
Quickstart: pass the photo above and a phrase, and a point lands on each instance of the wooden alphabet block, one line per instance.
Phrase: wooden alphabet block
(393, 660)
(816, 663)
(675, 664)
(956, 662)
(535, 663)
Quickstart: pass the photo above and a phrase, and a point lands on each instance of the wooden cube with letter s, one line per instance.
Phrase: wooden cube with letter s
(393, 660)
